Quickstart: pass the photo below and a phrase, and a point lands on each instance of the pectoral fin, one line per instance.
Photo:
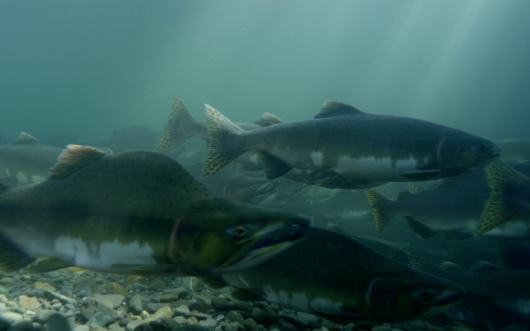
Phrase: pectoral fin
(12, 258)
(273, 167)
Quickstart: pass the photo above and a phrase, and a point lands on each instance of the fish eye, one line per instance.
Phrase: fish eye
(423, 294)
(238, 231)
(480, 148)
(250, 188)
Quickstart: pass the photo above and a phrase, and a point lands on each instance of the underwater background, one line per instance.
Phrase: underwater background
(106, 73)
(85, 68)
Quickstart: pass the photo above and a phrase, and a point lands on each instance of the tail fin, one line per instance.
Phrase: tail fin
(221, 150)
(509, 197)
(180, 126)
(377, 202)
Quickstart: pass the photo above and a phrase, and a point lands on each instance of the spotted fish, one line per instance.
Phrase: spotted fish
(135, 212)
(333, 275)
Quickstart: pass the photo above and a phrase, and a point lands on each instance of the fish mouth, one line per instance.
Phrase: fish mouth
(263, 192)
(294, 233)
(490, 156)
(277, 239)
(447, 299)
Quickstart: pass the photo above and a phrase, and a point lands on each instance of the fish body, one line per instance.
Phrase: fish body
(344, 204)
(353, 144)
(27, 160)
(333, 275)
(135, 212)
(454, 208)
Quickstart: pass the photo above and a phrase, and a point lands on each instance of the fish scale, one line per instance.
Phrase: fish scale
(150, 211)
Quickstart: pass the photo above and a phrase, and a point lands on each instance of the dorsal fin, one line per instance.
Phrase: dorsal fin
(268, 119)
(73, 158)
(25, 139)
(334, 108)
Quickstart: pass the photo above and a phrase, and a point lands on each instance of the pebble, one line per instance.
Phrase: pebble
(22, 326)
(6, 280)
(182, 310)
(133, 324)
(81, 328)
(234, 316)
(191, 327)
(154, 307)
(201, 306)
(164, 312)
(157, 326)
(44, 285)
(98, 321)
(381, 328)
(208, 322)
(306, 319)
(156, 284)
(135, 305)
(115, 327)
(139, 287)
(169, 323)
(115, 288)
(28, 303)
(180, 292)
(287, 327)
(11, 316)
(180, 320)
(114, 299)
(168, 298)
(220, 304)
(51, 274)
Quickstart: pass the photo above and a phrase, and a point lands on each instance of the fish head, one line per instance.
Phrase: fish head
(222, 236)
(251, 191)
(460, 154)
(397, 298)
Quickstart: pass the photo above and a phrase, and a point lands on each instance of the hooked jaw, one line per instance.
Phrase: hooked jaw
(448, 298)
(275, 240)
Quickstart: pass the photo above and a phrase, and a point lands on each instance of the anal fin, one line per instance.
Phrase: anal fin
(12, 258)
(423, 232)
